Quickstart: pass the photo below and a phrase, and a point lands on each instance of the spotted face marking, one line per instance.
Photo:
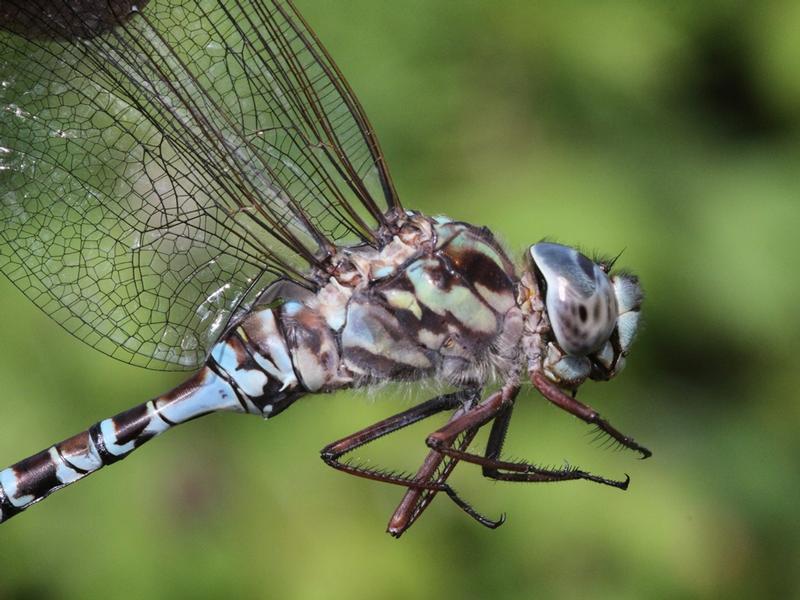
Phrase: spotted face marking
(579, 298)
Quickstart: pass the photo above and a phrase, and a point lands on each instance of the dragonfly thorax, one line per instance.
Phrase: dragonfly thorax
(437, 300)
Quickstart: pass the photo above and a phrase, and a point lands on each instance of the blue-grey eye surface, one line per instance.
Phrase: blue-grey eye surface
(580, 299)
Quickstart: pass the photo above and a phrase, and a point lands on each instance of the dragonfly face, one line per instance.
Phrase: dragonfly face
(589, 316)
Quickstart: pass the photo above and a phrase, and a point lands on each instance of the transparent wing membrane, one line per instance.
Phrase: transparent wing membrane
(160, 166)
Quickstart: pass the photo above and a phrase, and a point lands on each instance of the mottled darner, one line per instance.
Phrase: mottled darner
(193, 185)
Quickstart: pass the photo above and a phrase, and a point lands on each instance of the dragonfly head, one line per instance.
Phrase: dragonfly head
(586, 315)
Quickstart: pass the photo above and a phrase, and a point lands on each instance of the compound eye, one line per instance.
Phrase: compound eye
(579, 300)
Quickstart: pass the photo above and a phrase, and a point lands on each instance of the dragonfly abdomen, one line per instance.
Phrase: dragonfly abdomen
(249, 371)
(111, 440)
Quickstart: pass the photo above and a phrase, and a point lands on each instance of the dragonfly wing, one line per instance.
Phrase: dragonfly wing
(162, 162)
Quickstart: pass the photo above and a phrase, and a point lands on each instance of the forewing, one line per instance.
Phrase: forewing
(161, 165)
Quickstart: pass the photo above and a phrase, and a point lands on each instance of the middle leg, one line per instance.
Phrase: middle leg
(493, 467)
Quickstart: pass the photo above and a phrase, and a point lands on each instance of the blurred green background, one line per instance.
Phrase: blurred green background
(669, 130)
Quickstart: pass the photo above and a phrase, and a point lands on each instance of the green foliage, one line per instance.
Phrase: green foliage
(669, 130)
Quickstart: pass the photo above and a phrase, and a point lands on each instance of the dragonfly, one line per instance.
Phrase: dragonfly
(193, 185)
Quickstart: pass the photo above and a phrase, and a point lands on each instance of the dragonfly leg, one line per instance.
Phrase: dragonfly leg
(586, 413)
(462, 428)
(487, 410)
(333, 452)
(502, 470)
(424, 482)
(436, 467)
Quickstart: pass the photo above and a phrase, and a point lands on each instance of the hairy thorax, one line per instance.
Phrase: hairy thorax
(438, 299)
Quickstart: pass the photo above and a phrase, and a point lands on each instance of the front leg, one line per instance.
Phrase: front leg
(586, 413)
(500, 408)
(502, 470)
(493, 467)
